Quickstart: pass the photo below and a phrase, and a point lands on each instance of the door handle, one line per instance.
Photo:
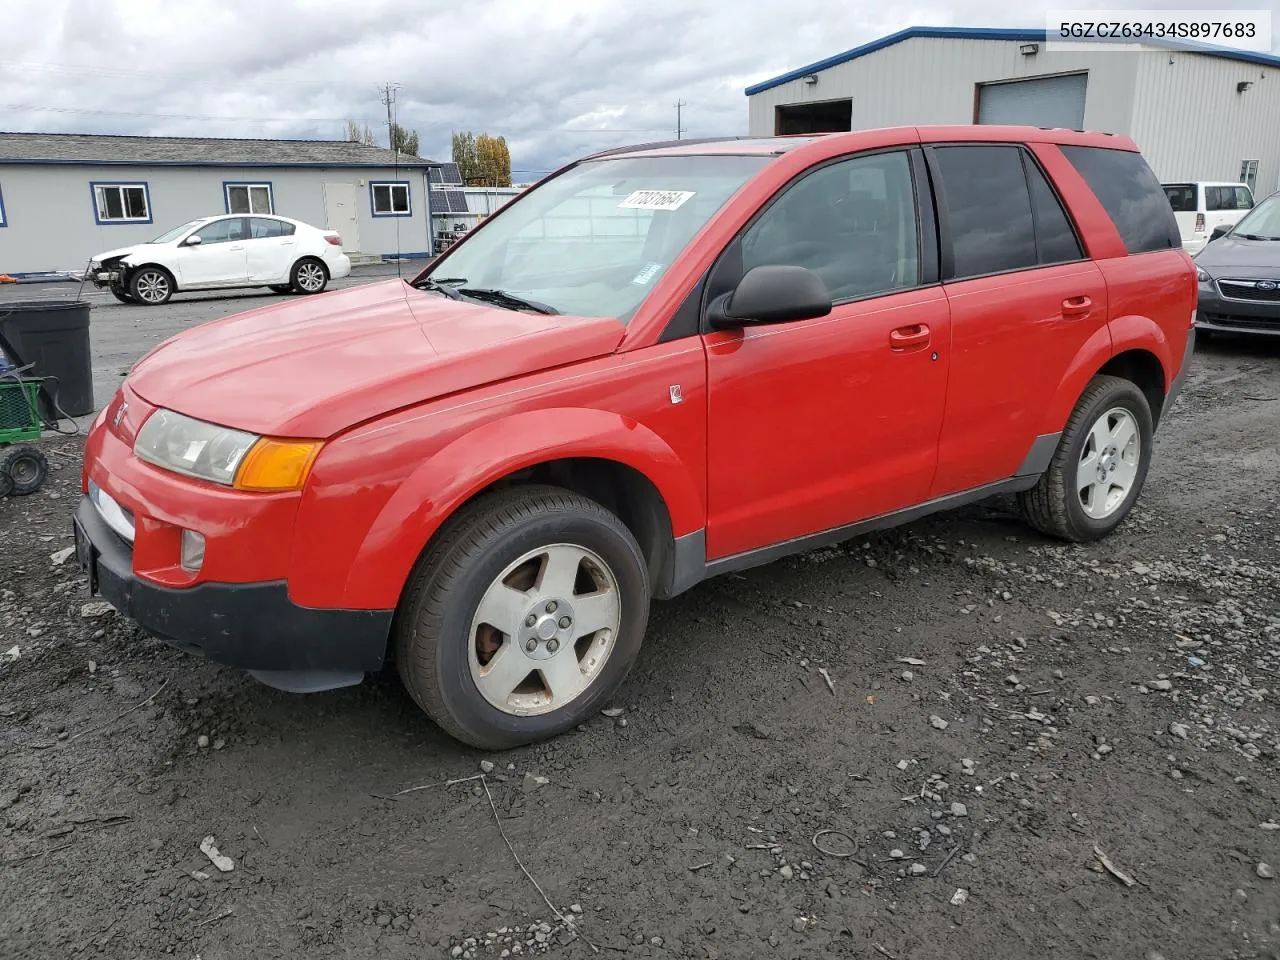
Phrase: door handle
(1077, 306)
(909, 338)
(236, 246)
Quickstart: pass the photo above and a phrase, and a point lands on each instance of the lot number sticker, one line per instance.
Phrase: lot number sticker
(656, 200)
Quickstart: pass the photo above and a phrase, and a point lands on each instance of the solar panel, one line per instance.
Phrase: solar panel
(439, 201)
(457, 201)
(434, 175)
(450, 173)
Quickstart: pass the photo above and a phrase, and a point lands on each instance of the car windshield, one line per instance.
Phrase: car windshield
(176, 232)
(593, 241)
(1262, 222)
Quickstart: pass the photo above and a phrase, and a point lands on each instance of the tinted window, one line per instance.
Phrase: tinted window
(1244, 199)
(260, 228)
(1219, 198)
(1131, 195)
(220, 231)
(1056, 240)
(988, 210)
(853, 223)
(1182, 197)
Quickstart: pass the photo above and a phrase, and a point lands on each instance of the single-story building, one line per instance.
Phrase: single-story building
(65, 197)
(1208, 114)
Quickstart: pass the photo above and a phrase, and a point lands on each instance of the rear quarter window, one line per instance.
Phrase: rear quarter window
(1182, 197)
(1131, 195)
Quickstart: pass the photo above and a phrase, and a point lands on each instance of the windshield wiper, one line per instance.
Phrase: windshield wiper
(502, 298)
(1254, 236)
(444, 286)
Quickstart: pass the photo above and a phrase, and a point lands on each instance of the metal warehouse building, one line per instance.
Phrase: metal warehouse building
(65, 197)
(1205, 115)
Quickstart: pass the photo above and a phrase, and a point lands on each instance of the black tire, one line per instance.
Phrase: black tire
(151, 286)
(281, 288)
(300, 276)
(26, 468)
(122, 295)
(1054, 506)
(433, 624)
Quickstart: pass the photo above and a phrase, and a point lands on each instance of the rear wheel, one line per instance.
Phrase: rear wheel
(523, 618)
(1100, 465)
(26, 468)
(151, 286)
(309, 276)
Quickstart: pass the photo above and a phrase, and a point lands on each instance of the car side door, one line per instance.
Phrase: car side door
(219, 259)
(815, 424)
(268, 250)
(1024, 301)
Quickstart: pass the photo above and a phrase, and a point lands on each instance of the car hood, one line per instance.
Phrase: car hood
(118, 252)
(314, 366)
(1250, 258)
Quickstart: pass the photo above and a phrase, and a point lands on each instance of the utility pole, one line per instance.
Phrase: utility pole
(389, 99)
(680, 105)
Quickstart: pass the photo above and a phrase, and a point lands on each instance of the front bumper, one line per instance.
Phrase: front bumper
(252, 626)
(1229, 315)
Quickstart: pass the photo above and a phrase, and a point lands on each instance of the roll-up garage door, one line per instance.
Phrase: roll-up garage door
(1041, 102)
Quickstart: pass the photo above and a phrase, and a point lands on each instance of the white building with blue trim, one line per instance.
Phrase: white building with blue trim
(65, 197)
(1203, 114)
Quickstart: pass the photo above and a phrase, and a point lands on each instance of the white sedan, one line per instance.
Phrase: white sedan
(225, 252)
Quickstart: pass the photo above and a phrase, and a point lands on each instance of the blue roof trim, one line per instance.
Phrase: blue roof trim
(972, 33)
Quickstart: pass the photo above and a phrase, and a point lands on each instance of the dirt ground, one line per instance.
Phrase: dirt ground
(1000, 708)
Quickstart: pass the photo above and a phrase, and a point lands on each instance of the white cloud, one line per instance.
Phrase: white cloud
(557, 78)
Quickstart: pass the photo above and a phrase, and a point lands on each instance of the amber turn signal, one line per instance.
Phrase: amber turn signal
(277, 464)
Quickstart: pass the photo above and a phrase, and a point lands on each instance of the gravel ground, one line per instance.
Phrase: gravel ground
(1025, 749)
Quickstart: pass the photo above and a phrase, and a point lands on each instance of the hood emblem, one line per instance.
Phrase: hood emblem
(120, 410)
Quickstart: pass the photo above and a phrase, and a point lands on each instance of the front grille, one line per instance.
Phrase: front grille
(1249, 290)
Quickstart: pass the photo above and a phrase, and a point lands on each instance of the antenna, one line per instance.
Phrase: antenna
(390, 101)
(680, 105)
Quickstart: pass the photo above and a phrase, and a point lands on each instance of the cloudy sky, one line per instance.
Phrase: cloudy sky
(556, 77)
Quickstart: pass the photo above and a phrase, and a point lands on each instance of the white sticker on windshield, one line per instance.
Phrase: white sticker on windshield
(656, 200)
(647, 273)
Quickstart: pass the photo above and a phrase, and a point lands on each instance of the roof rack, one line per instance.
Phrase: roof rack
(662, 144)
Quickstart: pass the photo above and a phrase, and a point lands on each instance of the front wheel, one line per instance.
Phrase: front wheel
(309, 276)
(1100, 465)
(151, 286)
(523, 618)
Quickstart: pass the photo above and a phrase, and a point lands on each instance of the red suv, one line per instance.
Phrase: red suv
(658, 365)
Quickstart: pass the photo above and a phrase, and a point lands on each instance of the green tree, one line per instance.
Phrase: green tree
(406, 141)
(464, 155)
(358, 134)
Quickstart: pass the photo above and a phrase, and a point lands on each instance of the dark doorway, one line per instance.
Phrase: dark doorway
(829, 116)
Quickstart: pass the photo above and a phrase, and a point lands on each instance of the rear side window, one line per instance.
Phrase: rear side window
(988, 210)
(1131, 195)
(1219, 198)
(1056, 240)
(1182, 197)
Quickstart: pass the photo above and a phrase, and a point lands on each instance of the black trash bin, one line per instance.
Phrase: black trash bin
(54, 336)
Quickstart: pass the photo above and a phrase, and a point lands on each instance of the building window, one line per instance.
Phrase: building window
(390, 198)
(248, 198)
(1249, 174)
(121, 202)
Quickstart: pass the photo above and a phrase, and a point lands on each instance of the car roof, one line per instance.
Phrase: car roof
(778, 145)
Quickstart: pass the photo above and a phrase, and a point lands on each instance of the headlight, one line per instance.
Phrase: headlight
(1202, 276)
(224, 456)
(193, 447)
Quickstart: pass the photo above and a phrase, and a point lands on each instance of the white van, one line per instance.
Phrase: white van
(1202, 205)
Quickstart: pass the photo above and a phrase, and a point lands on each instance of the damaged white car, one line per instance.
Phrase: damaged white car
(224, 252)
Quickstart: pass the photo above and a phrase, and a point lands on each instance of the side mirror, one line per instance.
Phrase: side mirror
(1219, 231)
(192, 241)
(771, 294)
